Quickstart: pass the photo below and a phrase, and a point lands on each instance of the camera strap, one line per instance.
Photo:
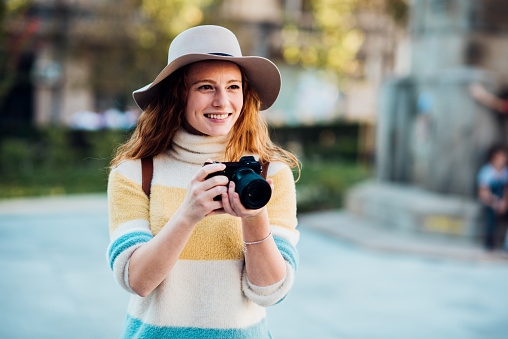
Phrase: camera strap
(264, 169)
(147, 173)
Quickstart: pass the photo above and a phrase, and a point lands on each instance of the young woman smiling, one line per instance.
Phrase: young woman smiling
(198, 266)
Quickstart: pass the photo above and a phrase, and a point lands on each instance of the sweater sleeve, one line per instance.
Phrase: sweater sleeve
(282, 216)
(128, 218)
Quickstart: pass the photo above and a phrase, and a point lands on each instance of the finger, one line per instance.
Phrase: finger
(234, 199)
(236, 204)
(226, 205)
(270, 182)
(206, 191)
(207, 197)
(206, 170)
(215, 191)
(212, 182)
(215, 212)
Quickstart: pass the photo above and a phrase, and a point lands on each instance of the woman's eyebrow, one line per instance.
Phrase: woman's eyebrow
(213, 82)
(200, 81)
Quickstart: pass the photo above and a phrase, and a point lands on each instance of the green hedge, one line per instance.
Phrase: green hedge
(56, 161)
(338, 141)
(324, 183)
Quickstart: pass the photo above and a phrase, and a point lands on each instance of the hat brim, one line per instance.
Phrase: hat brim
(263, 76)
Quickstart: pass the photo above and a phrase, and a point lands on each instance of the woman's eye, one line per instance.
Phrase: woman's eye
(205, 87)
(234, 87)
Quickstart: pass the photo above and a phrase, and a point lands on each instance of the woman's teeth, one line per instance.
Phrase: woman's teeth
(217, 116)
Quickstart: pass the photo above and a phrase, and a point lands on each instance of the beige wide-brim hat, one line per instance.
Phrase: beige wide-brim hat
(215, 43)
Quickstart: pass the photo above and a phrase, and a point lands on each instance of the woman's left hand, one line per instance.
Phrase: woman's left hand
(232, 205)
(264, 263)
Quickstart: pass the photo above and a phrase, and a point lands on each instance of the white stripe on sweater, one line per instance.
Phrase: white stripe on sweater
(196, 294)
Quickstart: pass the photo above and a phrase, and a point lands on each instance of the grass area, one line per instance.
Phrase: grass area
(323, 184)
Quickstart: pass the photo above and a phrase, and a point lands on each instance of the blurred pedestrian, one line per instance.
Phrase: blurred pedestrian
(498, 103)
(492, 192)
(197, 266)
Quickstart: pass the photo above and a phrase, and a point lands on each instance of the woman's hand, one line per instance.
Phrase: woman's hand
(151, 263)
(264, 263)
(199, 201)
(231, 203)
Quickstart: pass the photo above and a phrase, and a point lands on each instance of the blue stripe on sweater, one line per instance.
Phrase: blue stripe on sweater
(288, 251)
(135, 328)
(124, 242)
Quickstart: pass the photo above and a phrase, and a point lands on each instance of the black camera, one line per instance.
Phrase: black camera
(254, 191)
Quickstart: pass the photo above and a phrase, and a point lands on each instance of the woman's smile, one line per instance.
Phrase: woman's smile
(220, 116)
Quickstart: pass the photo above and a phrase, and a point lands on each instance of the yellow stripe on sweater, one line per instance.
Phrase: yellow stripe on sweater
(217, 237)
(282, 204)
(126, 201)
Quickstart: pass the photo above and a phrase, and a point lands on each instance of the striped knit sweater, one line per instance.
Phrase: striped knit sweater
(207, 293)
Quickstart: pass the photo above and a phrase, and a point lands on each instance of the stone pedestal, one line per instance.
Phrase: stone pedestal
(432, 136)
(412, 209)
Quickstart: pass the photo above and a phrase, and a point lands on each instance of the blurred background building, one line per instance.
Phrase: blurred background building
(362, 80)
(68, 56)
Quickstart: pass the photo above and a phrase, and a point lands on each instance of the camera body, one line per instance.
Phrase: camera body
(254, 190)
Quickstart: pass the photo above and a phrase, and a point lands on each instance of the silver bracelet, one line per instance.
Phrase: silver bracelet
(254, 242)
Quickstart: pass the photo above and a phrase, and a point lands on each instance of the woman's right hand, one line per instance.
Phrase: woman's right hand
(151, 263)
(199, 200)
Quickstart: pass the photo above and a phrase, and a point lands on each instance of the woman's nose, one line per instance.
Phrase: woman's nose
(220, 98)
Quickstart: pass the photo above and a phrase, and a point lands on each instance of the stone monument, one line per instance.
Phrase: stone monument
(432, 137)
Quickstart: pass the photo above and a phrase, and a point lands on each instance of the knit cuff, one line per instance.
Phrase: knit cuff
(121, 268)
(265, 290)
(271, 294)
(125, 240)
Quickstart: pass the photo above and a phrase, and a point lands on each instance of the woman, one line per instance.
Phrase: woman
(199, 267)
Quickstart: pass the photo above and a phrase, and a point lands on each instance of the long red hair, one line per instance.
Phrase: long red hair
(164, 116)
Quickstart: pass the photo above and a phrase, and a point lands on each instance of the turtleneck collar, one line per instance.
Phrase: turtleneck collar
(196, 149)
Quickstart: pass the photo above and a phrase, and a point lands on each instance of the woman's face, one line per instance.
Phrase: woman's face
(215, 97)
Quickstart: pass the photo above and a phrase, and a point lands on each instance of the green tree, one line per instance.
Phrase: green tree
(334, 38)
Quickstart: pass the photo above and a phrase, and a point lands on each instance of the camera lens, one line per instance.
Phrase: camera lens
(254, 191)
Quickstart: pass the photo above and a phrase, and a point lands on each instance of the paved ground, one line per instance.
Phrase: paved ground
(355, 280)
